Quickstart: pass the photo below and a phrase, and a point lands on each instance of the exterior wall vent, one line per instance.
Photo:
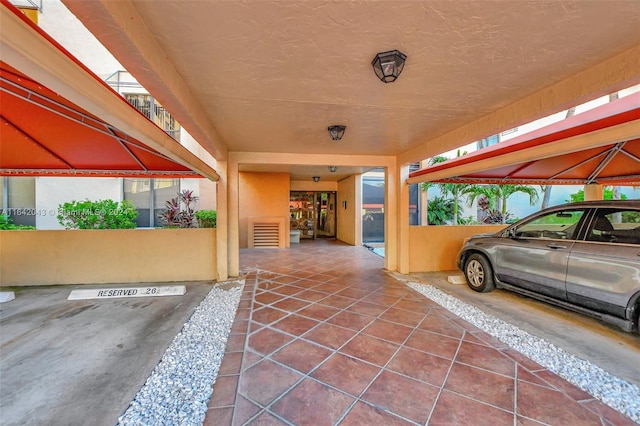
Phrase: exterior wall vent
(267, 232)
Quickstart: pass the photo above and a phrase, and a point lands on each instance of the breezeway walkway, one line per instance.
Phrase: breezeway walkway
(323, 336)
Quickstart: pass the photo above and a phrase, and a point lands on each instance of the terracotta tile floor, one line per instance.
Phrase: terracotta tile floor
(323, 336)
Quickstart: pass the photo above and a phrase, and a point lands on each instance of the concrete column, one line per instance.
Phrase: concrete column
(357, 202)
(593, 192)
(403, 219)
(233, 221)
(391, 222)
(222, 222)
(423, 198)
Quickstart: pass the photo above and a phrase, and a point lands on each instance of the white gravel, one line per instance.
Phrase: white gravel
(180, 387)
(613, 391)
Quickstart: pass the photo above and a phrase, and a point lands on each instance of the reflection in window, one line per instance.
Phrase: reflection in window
(562, 225)
(18, 199)
(615, 226)
(145, 193)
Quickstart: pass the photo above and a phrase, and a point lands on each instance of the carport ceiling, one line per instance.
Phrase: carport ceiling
(256, 76)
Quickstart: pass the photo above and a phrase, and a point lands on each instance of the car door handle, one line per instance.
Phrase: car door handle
(556, 246)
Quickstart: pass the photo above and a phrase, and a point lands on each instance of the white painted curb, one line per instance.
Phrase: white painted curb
(7, 296)
(456, 279)
(117, 292)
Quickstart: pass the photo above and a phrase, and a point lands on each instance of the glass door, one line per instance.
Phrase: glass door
(325, 203)
(302, 213)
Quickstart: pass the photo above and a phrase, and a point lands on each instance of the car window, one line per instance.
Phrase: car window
(562, 224)
(615, 226)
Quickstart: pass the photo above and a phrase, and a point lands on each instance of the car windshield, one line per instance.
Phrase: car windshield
(561, 224)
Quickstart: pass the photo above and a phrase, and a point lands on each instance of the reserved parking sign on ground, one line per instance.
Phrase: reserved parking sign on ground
(111, 292)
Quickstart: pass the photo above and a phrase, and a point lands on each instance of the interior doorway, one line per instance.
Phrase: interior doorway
(325, 203)
(312, 214)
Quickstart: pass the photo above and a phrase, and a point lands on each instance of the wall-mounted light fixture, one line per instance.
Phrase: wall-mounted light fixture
(336, 131)
(333, 169)
(388, 65)
(316, 178)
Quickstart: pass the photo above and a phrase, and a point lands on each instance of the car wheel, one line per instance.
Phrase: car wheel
(479, 274)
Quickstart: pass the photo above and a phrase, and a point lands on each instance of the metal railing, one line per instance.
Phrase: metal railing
(122, 81)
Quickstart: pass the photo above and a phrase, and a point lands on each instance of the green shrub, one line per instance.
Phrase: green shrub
(206, 218)
(101, 214)
(7, 225)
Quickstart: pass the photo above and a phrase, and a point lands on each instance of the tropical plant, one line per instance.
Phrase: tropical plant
(491, 215)
(179, 211)
(440, 211)
(101, 214)
(6, 224)
(206, 218)
(455, 190)
(499, 194)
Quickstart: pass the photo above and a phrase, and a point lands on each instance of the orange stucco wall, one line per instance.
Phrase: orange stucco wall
(347, 222)
(434, 248)
(107, 256)
(262, 195)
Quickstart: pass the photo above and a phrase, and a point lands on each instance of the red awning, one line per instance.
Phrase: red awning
(601, 146)
(44, 134)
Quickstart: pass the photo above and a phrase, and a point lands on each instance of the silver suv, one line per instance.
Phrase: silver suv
(581, 256)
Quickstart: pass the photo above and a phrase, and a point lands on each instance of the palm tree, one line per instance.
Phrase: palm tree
(456, 190)
(433, 160)
(509, 190)
(499, 194)
(546, 198)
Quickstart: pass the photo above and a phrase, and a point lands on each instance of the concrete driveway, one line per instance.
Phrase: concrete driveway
(79, 362)
(587, 338)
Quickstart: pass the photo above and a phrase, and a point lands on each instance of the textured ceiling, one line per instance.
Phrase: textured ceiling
(270, 76)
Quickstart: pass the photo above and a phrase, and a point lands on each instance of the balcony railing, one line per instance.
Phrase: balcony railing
(124, 84)
(155, 112)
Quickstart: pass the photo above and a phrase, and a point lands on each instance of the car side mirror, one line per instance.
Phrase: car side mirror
(511, 233)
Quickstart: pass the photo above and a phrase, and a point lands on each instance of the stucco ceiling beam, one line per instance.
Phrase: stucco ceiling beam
(614, 74)
(117, 25)
(32, 54)
(312, 159)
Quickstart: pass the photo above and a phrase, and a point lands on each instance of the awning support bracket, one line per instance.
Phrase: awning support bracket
(575, 166)
(612, 153)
